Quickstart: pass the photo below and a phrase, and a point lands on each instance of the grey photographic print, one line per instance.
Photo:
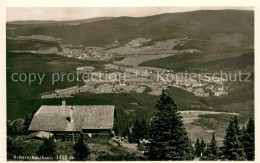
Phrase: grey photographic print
(130, 83)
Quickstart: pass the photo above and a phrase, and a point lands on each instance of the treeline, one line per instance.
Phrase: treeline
(136, 133)
(238, 144)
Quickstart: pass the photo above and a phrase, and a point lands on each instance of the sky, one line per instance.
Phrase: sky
(75, 13)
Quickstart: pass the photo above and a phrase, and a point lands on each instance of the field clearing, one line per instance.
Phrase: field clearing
(136, 60)
(190, 116)
(201, 124)
(197, 131)
(35, 37)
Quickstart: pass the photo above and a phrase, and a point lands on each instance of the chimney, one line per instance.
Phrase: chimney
(72, 115)
(63, 102)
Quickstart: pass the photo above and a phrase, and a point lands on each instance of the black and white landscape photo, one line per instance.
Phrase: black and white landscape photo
(130, 84)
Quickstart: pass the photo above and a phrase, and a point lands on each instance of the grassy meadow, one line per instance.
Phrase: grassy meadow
(30, 44)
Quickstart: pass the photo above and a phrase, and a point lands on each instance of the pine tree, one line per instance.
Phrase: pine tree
(212, 150)
(249, 140)
(168, 138)
(190, 150)
(137, 132)
(197, 148)
(202, 146)
(81, 150)
(233, 147)
(48, 148)
(126, 132)
(140, 131)
(144, 129)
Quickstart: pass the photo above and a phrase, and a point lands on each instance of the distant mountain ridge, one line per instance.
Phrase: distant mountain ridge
(217, 33)
(68, 22)
(199, 24)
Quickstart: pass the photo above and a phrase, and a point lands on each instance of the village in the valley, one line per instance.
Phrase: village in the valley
(126, 76)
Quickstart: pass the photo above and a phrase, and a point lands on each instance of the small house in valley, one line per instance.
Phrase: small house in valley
(200, 92)
(65, 120)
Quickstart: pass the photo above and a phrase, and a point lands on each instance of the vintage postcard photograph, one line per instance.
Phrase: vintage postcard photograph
(130, 84)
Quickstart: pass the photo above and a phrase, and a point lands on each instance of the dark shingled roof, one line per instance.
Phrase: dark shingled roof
(56, 118)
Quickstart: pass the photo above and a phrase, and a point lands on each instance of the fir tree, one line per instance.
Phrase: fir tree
(190, 150)
(144, 129)
(168, 138)
(202, 146)
(81, 150)
(126, 132)
(48, 148)
(249, 140)
(137, 133)
(233, 147)
(212, 150)
(197, 148)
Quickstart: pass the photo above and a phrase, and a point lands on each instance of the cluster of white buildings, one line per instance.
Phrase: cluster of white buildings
(203, 89)
(86, 53)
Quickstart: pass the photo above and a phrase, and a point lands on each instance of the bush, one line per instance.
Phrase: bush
(147, 89)
(16, 127)
(81, 150)
(13, 148)
(120, 157)
(48, 148)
